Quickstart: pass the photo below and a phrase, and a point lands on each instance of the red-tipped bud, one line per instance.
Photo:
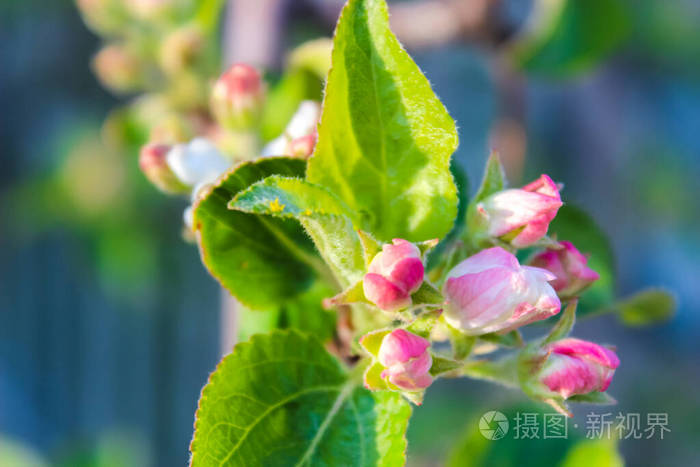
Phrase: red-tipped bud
(394, 274)
(406, 360)
(237, 97)
(575, 366)
(521, 216)
(154, 165)
(300, 135)
(302, 147)
(570, 268)
(492, 292)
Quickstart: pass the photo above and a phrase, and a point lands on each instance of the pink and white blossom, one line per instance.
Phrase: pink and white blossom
(575, 366)
(570, 268)
(393, 275)
(154, 165)
(406, 360)
(300, 135)
(492, 292)
(521, 216)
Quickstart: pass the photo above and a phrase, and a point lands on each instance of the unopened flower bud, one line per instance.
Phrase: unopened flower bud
(197, 163)
(574, 366)
(406, 360)
(154, 165)
(118, 68)
(492, 292)
(180, 49)
(238, 96)
(302, 147)
(300, 135)
(570, 268)
(394, 274)
(521, 216)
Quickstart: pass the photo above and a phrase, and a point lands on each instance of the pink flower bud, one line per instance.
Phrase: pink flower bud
(521, 216)
(237, 97)
(492, 292)
(394, 274)
(302, 147)
(570, 268)
(406, 360)
(154, 165)
(297, 136)
(575, 366)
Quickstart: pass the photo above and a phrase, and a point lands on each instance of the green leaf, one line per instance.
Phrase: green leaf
(492, 182)
(461, 344)
(303, 313)
(443, 365)
(373, 377)
(595, 397)
(570, 36)
(427, 294)
(372, 341)
(262, 261)
(424, 323)
(439, 257)
(594, 452)
(306, 314)
(281, 399)
(326, 218)
(370, 246)
(503, 371)
(574, 225)
(565, 323)
(494, 179)
(510, 339)
(353, 294)
(385, 139)
(647, 307)
(288, 197)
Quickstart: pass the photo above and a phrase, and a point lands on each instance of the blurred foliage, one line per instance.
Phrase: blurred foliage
(16, 454)
(566, 37)
(474, 449)
(574, 225)
(112, 449)
(663, 34)
(98, 193)
(594, 453)
(646, 308)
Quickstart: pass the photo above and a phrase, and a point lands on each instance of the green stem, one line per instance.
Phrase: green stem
(504, 371)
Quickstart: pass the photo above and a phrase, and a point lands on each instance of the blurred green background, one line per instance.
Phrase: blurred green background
(110, 324)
